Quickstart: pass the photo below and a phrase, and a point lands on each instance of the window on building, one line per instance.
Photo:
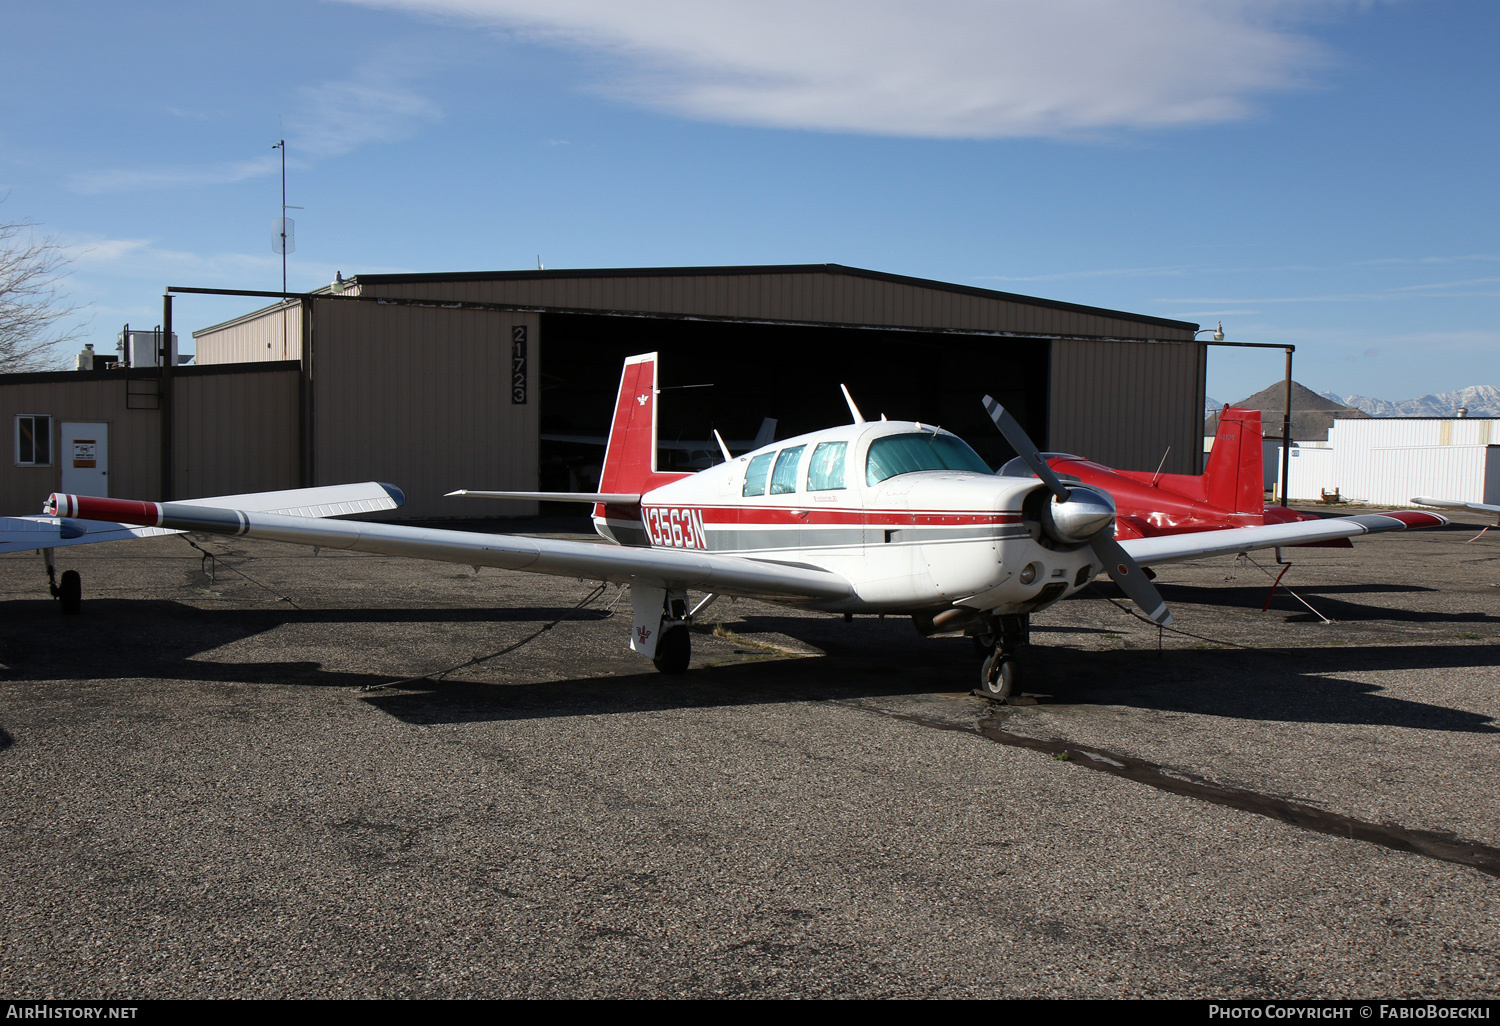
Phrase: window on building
(33, 440)
(756, 473)
(825, 472)
(784, 477)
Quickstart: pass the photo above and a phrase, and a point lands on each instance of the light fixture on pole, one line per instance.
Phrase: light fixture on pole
(1218, 332)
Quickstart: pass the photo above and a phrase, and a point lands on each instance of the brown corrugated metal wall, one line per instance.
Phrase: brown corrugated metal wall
(232, 432)
(134, 435)
(829, 297)
(1124, 403)
(235, 432)
(420, 397)
(275, 334)
(408, 381)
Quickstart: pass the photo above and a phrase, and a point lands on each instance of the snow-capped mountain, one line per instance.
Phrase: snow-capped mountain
(1211, 405)
(1479, 400)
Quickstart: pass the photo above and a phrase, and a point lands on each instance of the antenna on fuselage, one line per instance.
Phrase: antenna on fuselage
(722, 447)
(859, 418)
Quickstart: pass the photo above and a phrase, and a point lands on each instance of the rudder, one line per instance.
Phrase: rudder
(630, 452)
(1234, 478)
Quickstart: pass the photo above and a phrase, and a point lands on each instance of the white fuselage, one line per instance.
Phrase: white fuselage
(908, 540)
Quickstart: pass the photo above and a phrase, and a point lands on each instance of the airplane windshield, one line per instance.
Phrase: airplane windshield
(1018, 468)
(907, 454)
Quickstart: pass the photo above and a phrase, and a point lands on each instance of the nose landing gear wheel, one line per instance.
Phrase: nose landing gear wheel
(999, 675)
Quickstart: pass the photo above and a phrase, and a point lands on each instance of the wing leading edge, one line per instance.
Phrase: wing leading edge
(1176, 547)
(664, 568)
(18, 534)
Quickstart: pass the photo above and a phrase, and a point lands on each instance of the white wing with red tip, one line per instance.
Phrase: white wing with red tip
(1173, 548)
(18, 534)
(665, 568)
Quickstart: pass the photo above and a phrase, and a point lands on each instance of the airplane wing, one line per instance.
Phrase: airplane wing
(18, 534)
(609, 498)
(1477, 507)
(1177, 547)
(665, 568)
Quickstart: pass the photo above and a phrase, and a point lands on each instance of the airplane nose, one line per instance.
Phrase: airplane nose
(1086, 513)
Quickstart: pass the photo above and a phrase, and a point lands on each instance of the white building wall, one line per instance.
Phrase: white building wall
(1309, 473)
(1393, 475)
(1408, 431)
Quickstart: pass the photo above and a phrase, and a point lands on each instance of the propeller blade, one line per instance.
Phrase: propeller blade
(1126, 572)
(1016, 435)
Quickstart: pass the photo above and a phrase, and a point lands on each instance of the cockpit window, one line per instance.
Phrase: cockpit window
(907, 454)
(1018, 468)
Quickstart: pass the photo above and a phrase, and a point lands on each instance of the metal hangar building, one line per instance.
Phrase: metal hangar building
(506, 380)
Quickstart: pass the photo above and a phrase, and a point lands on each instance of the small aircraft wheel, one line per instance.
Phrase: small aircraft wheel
(674, 651)
(999, 676)
(70, 593)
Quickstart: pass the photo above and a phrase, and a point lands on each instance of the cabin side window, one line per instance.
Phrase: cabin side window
(33, 440)
(825, 472)
(756, 474)
(784, 477)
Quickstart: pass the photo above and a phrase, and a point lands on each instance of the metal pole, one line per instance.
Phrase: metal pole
(282, 144)
(164, 395)
(1286, 428)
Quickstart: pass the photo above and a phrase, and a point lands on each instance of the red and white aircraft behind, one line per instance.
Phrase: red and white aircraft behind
(888, 517)
(1229, 492)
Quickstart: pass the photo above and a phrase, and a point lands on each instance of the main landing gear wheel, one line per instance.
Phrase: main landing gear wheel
(999, 675)
(674, 651)
(70, 593)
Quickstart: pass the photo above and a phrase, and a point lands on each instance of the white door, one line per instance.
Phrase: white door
(85, 458)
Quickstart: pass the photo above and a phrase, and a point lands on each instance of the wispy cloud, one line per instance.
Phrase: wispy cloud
(1115, 272)
(335, 118)
(934, 68)
(1437, 290)
(1189, 269)
(187, 175)
(329, 119)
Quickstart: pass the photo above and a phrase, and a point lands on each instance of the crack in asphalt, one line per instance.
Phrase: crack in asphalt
(1429, 843)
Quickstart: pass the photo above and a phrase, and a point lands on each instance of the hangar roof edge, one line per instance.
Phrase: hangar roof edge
(857, 272)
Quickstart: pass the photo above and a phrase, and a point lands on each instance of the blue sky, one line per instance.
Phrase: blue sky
(1319, 172)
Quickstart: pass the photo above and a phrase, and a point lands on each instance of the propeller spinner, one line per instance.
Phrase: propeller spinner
(1081, 515)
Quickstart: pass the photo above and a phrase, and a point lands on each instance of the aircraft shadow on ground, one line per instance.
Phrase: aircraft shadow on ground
(1274, 685)
(1336, 609)
(863, 660)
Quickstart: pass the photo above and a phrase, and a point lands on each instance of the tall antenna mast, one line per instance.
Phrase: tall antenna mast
(284, 241)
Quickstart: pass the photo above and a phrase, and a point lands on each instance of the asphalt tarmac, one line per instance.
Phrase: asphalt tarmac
(198, 798)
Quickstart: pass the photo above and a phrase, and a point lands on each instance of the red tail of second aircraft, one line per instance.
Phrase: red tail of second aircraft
(1234, 477)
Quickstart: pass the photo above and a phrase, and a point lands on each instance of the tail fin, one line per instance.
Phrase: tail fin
(1234, 478)
(630, 454)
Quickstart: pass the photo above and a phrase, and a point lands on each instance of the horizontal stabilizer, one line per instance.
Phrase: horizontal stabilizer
(612, 498)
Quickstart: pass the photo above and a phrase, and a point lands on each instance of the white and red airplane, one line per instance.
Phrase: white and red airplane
(889, 517)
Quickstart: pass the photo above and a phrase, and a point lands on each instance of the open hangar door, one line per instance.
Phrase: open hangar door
(788, 372)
